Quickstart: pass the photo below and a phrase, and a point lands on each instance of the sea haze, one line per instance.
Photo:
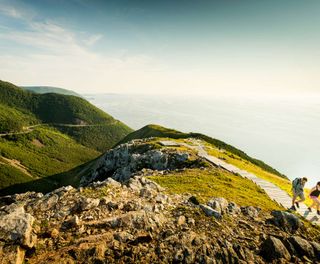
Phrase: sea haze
(283, 132)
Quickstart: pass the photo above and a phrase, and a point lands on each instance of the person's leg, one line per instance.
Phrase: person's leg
(314, 203)
(294, 197)
(302, 198)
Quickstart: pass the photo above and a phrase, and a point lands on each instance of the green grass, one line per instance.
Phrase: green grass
(12, 119)
(101, 137)
(10, 175)
(241, 163)
(59, 153)
(205, 184)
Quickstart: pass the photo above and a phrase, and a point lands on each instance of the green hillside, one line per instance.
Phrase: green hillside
(42, 135)
(69, 114)
(38, 154)
(49, 89)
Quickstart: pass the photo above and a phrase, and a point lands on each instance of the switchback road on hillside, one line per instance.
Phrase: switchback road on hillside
(29, 129)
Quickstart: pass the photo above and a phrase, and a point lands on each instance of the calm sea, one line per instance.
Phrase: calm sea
(283, 132)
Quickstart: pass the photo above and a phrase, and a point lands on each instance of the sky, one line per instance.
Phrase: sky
(171, 47)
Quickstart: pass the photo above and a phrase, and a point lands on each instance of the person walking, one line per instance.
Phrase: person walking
(314, 195)
(297, 190)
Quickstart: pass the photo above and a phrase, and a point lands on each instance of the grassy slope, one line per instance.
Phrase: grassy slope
(214, 182)
(221, 150)
(12, 119)
(58, 153)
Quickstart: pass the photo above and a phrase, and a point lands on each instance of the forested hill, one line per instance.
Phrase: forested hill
(49, 89)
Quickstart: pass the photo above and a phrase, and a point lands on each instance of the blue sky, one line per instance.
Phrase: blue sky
(207, 47)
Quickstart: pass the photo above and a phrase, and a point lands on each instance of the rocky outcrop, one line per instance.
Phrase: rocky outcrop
(123, 161)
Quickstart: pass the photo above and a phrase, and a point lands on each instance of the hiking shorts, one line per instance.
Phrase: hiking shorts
(298, 194)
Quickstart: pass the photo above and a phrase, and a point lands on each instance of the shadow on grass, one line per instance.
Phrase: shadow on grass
(50, 183)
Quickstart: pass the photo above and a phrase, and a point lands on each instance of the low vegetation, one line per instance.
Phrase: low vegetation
(56, 153)
(208, 183)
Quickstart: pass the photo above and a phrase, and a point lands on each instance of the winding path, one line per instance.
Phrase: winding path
(274, 192)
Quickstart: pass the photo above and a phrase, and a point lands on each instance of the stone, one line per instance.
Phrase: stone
(111, 182)
(210, 212)
(181, 220)
(286, 221)
(16, 226)
(146, 193)
(250, 211)
(316, 248)
(54, 233)
(272, 249)
(123, 236)
(194, 200)
(161, 198)
(219, 204)
(48, 201)
(233, 208)
(302, 246)
(89, 203)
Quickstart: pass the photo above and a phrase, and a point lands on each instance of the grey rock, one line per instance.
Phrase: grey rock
(146, 193)
(272, 249)
(302, 246)
(316, 248)
(16, 226)
(89, 203)
(210, 212)
(233, 208)
(47, 202)
(161, 198)
(250, 211)
(220, 204)
(286, 221)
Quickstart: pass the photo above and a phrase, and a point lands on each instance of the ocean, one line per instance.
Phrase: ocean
(283, 132)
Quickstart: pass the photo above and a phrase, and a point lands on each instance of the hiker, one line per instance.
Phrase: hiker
(314, 194)
(297, 190)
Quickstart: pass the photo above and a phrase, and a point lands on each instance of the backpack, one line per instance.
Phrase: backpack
(295, 182)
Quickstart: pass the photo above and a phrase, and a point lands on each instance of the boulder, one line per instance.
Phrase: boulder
(272, 249)
(219, 204)
(286, 221)
(16, 226)
(302, 247)
(89, 203)
(316, 248)
(250, 211)
(210, 212)
(194, 200)
(48, 201)
(233, 208)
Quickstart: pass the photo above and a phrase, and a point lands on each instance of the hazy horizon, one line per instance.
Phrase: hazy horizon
(192, 47)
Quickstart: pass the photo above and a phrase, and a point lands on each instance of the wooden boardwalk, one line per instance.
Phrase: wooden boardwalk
(274, 192)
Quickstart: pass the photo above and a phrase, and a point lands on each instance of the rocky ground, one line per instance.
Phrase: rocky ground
(134, 220)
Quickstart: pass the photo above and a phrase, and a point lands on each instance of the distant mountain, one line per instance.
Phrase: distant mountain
(49, 89)
(46, 134)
